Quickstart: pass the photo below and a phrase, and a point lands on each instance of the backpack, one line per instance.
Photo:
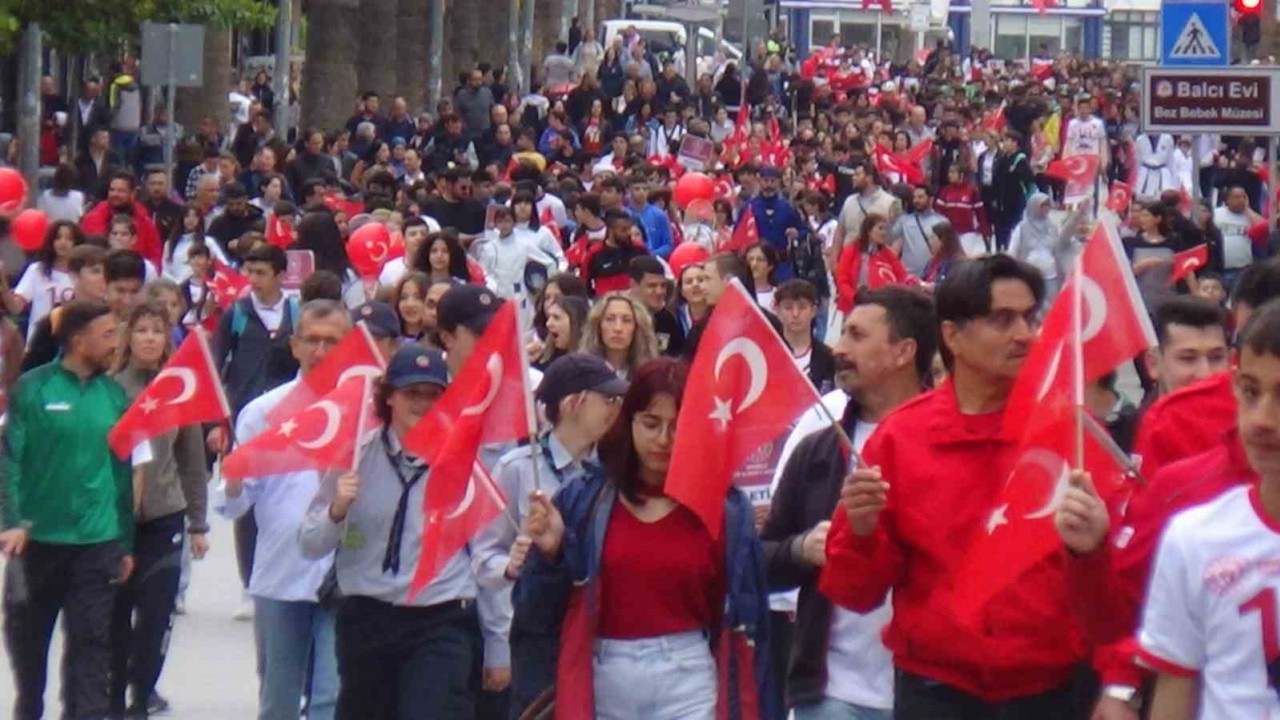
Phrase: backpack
(240, 318)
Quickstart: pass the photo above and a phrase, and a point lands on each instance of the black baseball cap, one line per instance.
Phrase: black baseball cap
(471, 306)
(578, 372)
(379, 318)
(414, 364)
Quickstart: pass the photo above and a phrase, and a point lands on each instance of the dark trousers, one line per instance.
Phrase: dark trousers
(782, 629)
(246, 534)
(533, 667)
(406, 663)
(918, 698)
(143, 616)
(79, 582)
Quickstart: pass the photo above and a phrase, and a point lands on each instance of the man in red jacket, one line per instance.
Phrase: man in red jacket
(926, 482)
(120, 201)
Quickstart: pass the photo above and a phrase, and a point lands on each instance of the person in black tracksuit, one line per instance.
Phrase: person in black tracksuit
(887, 321)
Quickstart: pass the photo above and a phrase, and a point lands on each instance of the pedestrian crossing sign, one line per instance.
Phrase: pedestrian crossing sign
(1194, 33)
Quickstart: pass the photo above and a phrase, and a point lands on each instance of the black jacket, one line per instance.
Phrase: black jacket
(822, 367)
(807, 494)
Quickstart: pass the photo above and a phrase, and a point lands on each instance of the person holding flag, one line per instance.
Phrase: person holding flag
(582, 395)
(657, 611)
(294, 632)
(923, 489)
(838, 666)
(174, 499)
(398, 652)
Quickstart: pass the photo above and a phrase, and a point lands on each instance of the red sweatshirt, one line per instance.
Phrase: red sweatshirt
(962, 206)
(946, 471)
(849, 272)
(1115, 611)
(1186, 422)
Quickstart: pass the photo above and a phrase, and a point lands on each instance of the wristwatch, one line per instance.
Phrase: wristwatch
(1126, 694)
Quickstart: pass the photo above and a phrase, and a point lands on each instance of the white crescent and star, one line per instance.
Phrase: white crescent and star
(886, 274)
(185, 375)
(1191, 263)
(1095, 307)
(366, 371)
(478, 475)
(332, 421)
(759, 369)
(495, 368)
(1056, 468)
(383, 251)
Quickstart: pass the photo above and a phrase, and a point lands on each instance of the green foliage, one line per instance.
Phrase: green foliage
(109, 26)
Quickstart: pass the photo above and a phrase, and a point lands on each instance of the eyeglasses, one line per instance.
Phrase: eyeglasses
(313, 342)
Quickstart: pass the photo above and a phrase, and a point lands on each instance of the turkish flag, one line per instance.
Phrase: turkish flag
(745, 390)
(1119, 198)
(1115, 328)
(227, 284)
(996, 120)
(885, 5)
(907, 167)
(1079, 172)
(881, 272)
(457, 509)
(746, 234)
(324, 435)
(1188, 261)
(355, 356)
(741, 128)
(725, 189)
(186, 391)
(488, 402)
(1020, 532)
(280, 233)
(340, 204)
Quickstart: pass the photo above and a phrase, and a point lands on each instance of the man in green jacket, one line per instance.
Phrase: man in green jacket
(68, 515)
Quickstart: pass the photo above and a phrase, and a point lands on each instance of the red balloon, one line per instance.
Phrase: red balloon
(693, 186)
(686, 254)
(13, 190)
(28, 229)
(369, 248)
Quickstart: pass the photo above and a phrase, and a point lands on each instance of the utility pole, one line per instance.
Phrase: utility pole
(29, 108)
(435, 61)
(280, 78)
(526, 45)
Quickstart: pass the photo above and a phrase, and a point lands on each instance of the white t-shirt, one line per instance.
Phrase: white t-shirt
(859, 667)
(1237, 250)
(44, 293)
(1213, 592)
(1085, 137)
(176, 267)
(68, 207)
(764, 298)
(397, 267)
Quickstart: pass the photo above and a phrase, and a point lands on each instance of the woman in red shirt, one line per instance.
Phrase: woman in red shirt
(868, 262)
(960, 202)
(658, 610)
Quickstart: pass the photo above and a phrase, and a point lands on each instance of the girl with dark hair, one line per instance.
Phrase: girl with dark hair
(62, 201)
(559, 285)
(319, 233)
(408, 299)
(566, 320)
(668, 608)
(691, 300)
(177, 250)
(762, 258)
(441, 257)
(867, 262)
(946, 248)
(47, 282)
(528, 224)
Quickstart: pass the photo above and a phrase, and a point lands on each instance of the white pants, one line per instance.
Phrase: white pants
(672, 677)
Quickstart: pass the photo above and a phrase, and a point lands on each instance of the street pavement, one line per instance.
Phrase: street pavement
(209, 674)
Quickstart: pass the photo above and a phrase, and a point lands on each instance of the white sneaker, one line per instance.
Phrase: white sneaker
(245, 611)
(180, 607)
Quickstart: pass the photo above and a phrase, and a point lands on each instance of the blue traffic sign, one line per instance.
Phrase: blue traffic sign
(1194, 33)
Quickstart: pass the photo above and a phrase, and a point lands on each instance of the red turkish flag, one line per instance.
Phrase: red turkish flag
(340, 204)
(885, 5)
(881, 272)
(905, 167)
(746, 234)
(1020, 532)
(1119, 198)
(457, 509)
(487, 402)
(725, 189)
(745, 390)
(324, 435)
(186, 391)
(355, 356)
(227, 284)
(741, 128)
(996, 120)
(1079, 172)
(280, 233)
(1115, 328)
(1188, 261)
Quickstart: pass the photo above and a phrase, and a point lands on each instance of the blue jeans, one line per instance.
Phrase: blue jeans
(292, 636)
(829, 708)
(672, 677)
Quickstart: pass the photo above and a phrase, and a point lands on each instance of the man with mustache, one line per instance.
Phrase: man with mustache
(837, 665)
(923, 491)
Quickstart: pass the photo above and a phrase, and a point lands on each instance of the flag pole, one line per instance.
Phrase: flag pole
(1077, 351)
(530, 411)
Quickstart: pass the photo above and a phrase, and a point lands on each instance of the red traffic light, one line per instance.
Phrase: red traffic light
(1248, 7)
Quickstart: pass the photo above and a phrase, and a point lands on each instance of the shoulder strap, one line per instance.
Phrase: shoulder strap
(239, 319)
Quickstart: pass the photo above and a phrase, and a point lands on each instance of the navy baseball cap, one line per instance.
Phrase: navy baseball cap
(578, 372)
(414, 364)
(471, 306)
(770, 172)
(379, 318)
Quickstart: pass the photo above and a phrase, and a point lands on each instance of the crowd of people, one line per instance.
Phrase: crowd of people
(901, 226)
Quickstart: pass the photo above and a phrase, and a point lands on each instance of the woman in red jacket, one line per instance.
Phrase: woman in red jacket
(867, 262)
(960, 202)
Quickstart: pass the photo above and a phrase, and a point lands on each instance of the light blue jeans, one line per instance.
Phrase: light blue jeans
(672, 677)
(289, 635)
(832, 709)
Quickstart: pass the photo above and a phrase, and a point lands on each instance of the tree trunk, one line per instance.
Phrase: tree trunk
(412, 31)
(376, 61)
(462, 51)
(436, 55)
(210, 99)
(329, 75)
(547, 16)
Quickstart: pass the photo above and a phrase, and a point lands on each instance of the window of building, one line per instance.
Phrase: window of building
(1134, 35)
(1010, 36)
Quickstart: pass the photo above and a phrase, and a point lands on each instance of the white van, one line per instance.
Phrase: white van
(667, 38)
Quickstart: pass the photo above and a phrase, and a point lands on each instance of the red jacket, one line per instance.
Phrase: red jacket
(946, 472)
(849, 269)
(1186, 422)
(1115, 611)
(98, 222)
(962, 206)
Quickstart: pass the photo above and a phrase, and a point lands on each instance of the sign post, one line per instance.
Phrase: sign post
(172, 56)
(1195, 33)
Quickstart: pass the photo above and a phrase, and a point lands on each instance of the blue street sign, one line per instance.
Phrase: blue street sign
(1194, 33)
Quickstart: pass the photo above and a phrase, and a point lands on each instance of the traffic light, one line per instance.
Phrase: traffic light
(1247, 7)
(1248, 12)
